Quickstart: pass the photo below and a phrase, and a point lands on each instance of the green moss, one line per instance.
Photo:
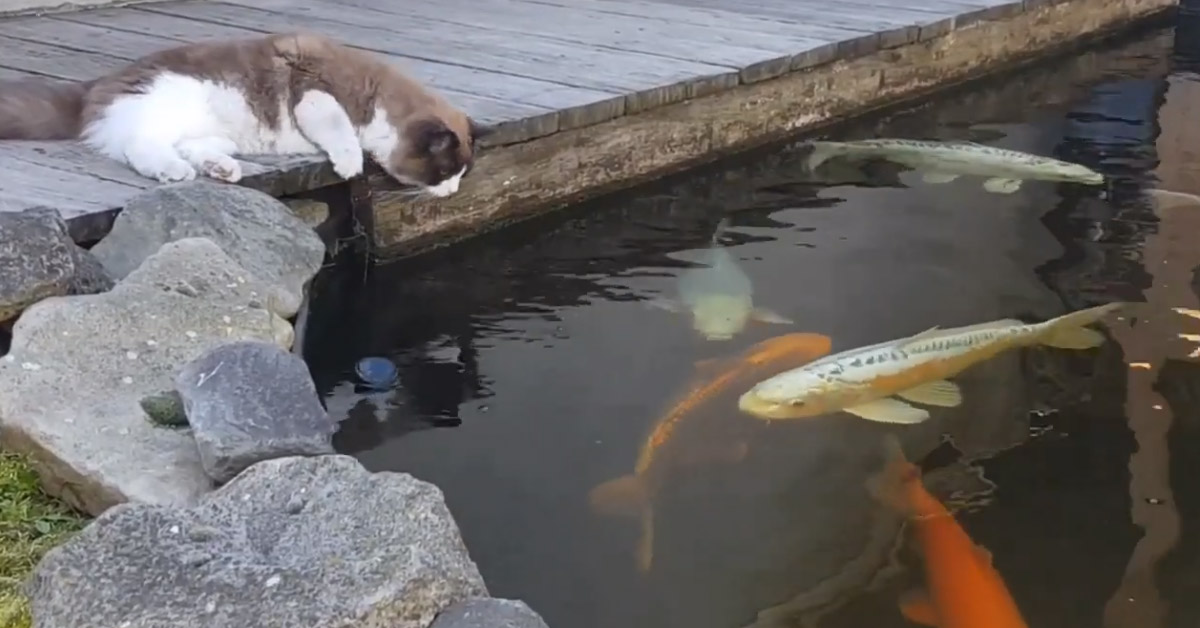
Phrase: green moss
(31, 523)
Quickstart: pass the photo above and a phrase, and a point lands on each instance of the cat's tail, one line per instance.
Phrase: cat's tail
(36, 109)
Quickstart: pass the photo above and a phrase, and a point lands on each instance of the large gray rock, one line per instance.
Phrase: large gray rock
(252, 401)
(256, 230)
(37, 259)
(79, 366)
(489, 613)
(302, 542)
(90, 276)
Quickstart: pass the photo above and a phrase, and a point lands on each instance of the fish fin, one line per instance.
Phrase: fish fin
(984, 555)
(1166, 199)
(665, 304)
(1000, 185)
(917, 607)
(644, 554)
(888, 410)
(887, 486)
(763, 315)
(936, 177)
(821, 152)
(623, 497)
(943, 393)
(1068, 331)
(919, 336)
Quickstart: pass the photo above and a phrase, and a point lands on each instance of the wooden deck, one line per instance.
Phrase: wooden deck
(531, 68)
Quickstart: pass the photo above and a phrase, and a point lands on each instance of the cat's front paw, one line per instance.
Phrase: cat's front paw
(224, 168)
(174, 171)
(347, 163)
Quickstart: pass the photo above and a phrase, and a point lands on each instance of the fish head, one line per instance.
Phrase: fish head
(796, 394)
(1074, 172)
(720, 317)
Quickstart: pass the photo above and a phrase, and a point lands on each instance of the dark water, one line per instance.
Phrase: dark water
(532, 369)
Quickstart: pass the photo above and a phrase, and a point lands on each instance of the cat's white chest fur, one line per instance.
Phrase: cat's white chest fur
(179, 125)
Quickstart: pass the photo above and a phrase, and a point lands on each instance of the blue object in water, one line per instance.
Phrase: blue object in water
(377, 373)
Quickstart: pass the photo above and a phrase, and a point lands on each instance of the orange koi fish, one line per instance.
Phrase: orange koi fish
(964, 589)
(631, 495)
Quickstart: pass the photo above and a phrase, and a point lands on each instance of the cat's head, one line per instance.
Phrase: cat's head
(434, 152)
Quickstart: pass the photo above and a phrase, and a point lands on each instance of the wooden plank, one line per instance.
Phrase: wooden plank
(73, 158)
(53, 61)
(897, 25)
(654, 81)
(768, 54)
(9, 74)
(538, 121)
(575, 106)
(70, 193)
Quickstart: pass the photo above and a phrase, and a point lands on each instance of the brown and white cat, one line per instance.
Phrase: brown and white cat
(188, 110)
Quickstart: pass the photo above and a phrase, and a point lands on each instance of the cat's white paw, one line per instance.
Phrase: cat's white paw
(173, 171)
(223, 168)
(347, 162)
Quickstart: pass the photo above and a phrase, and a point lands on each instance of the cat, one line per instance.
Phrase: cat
(187, 110)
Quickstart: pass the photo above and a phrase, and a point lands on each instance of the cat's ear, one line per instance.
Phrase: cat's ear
(431, 136)
(478, 131)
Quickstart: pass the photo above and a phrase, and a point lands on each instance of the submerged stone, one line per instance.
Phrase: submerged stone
(489, 613)
(252, 401)
(378, 373)
(301, 542)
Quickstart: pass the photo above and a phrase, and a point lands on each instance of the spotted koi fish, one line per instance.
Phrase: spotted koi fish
(943, 162)
(861, 381)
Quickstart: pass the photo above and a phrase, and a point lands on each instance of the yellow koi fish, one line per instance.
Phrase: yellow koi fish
(861, 381)
(632, 494)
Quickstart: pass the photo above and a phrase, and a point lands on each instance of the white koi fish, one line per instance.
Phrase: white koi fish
(861, 381)
(720, 296)
(943, 162)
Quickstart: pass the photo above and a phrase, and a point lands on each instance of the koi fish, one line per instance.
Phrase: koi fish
(720, 296)
(964, 588)
(861, 381)
(944, 162)
(633, 494)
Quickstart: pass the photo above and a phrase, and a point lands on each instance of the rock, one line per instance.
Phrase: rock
(252, 401)
(90, 276)
(489, 613)
(260, 233)
(314, 213)
(72, 383)
(300, 542)
(37, 259)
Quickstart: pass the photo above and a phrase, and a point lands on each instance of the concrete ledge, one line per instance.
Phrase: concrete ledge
(520, 180)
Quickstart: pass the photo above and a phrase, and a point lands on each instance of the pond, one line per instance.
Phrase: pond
(533, 365)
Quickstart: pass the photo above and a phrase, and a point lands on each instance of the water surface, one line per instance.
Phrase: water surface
(532, 369)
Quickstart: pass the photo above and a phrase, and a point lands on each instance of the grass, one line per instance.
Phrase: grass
(31, 523)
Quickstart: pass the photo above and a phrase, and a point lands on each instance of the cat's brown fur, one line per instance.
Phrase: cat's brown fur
(438, 138)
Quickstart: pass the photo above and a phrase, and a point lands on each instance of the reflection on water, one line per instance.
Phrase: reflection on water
(537, 349)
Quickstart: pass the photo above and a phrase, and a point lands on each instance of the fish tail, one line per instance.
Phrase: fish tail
(722, 226)
(1069, 332)
(888, 486)
(821, 152)
(645, 547)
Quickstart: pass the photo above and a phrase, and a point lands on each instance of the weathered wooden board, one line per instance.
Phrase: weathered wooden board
(646, 80)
